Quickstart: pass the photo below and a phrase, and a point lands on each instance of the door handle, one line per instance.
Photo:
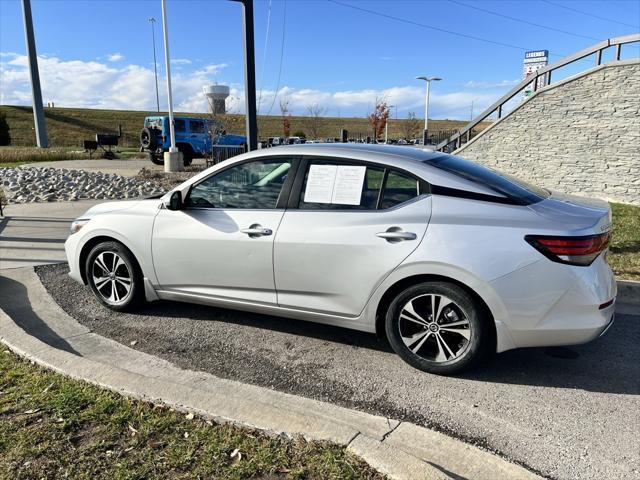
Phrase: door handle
(394, 235)
(256, 230)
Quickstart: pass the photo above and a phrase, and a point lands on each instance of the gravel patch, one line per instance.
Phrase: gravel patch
(566, 418)
(168, 180)
(46, 184)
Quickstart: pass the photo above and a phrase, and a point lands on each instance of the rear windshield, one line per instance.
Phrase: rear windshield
(517, 190)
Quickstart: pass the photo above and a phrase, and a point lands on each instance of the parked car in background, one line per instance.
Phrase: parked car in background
(194, 138)
(446, 258)
(275, 141)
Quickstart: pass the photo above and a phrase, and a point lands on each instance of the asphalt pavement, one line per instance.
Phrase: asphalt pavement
(565, 413)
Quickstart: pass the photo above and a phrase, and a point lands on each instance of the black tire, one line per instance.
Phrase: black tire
(147, 139)
(187, 154)
(106, 253)
(109, 155)
(429, 354)
(155, 159)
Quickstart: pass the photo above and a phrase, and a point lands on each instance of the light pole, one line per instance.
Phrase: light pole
(152, 21)
(428, 81)
(42, 140)
(172, 158)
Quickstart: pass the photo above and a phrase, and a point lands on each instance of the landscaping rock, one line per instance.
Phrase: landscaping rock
(46, 184)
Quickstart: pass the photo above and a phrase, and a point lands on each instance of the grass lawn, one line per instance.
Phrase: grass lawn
(624, 256)
(55, 427)
(16, 156)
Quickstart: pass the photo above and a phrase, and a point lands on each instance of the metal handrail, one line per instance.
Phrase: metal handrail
(598, 48)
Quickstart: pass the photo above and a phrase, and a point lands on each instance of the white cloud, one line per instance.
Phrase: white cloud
(115, 57)
(92, 84)
(500, 84)
(180, 61)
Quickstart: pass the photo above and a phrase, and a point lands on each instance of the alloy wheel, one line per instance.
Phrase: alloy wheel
(434, 328)
(112, 278)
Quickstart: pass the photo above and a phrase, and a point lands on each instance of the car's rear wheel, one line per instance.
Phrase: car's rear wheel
(114, 276)
(437, 327)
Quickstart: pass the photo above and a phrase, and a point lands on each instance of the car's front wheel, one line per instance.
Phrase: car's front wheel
(437, 327)
(114, 276)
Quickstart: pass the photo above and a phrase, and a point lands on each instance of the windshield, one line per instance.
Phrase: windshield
(512, 187)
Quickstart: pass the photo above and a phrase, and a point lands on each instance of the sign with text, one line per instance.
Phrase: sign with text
(534, 61)
(337, 184)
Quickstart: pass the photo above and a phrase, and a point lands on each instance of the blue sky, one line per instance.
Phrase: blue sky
(98, 53)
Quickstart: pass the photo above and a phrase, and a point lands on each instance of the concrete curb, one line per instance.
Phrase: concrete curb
(628, 292)
(35, 327)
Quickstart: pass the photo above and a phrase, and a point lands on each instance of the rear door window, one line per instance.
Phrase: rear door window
(379, 187)
(179, 125)
(196, 126)
(369, 190)
(399, 188)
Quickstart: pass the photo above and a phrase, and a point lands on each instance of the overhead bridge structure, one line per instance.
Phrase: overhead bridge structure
(578, 134)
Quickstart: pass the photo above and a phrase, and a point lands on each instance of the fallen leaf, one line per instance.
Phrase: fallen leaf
(59, 420)
(236, 456)
(155, 444)
(189, 416)
(133, 430)
(283, 470)
(29, 412)
(186, 434)
(48, 388)
(128, 449)
(209, 422)
(134, 343)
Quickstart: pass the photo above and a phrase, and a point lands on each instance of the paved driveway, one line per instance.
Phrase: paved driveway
(34, 233)
(568, 418)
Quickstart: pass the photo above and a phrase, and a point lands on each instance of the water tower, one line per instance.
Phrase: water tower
(216, 95)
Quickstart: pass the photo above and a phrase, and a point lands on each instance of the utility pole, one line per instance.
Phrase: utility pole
(172, 158)
(249, 74)
(152, 21)
(38, 111)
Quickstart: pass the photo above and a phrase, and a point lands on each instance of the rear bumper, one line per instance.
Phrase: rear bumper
(551, 304)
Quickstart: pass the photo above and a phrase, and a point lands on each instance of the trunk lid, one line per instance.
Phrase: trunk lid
(575, 215)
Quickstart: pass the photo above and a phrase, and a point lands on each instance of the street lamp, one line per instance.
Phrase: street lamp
(172, 158)
(428, 81)
(152, 21)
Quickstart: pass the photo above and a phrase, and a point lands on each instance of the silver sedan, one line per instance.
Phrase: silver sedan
(448, 260)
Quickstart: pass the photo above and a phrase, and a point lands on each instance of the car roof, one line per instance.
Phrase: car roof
(411, 159)
(355, 150)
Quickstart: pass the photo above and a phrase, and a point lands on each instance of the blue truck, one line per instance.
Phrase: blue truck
(195, 137)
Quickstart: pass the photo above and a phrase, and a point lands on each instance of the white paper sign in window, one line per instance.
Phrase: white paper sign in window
(347, 189)
(320, 183)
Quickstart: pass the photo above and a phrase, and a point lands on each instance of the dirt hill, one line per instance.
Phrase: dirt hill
(69, 126)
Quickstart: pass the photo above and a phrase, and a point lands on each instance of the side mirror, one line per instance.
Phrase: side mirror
(175, 201)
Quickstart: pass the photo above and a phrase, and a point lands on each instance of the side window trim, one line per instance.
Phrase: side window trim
(423, 187)
(285, 193)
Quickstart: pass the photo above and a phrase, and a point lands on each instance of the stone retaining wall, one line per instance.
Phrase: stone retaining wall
(581, 135)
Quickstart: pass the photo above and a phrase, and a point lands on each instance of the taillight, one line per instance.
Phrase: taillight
(571, 250)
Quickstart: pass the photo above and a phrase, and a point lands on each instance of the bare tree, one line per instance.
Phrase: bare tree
(284, 112)
(411, 126)
(378, 118)
(312, 121)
